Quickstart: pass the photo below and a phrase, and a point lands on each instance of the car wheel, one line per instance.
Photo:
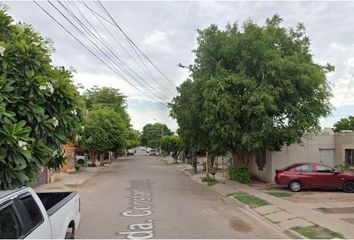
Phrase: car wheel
(348, 187)
(295, 186)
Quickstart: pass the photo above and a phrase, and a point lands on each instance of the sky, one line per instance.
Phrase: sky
(165, 31)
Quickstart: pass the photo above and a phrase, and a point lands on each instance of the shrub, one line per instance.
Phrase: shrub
(240, 174)
(77, 168)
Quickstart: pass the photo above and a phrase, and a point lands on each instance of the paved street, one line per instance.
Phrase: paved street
(142, 196)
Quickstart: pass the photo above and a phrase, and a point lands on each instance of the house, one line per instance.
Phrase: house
(328, 147)
(46, 175)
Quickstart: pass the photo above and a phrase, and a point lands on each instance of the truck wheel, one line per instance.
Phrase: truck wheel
(69, 235)
(295, 186)
(348, 187)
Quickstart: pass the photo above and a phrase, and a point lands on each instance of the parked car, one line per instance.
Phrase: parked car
(143, 148)
(147, 150)
(314, 176)
(131, 152)
(50, 215)
(153, 152)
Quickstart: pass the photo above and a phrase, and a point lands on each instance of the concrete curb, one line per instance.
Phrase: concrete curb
(288, 232)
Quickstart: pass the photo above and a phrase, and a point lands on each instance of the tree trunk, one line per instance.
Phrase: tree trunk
(194, 162)
(92, 156)
(207, 165)
(101, 159)
(183, 156)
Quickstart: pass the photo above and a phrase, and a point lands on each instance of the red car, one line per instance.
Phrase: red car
(314, 175)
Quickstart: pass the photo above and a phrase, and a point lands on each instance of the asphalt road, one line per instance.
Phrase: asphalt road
(143, 197)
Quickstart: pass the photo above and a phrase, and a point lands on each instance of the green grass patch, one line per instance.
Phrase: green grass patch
(280, 194)
(250, 200)
(317, 232)
(235, 194)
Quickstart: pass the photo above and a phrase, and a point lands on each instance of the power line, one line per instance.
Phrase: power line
(87, 38)
(82, 44)
(132, 42)
(144, 67)
(129, 71)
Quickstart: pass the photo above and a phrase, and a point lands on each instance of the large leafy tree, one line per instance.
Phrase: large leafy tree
(107, 97)
(260, 88)
(185, 108)
(152, 133)
(40, 108)
(98, 98)
(104, 131)
(133, 139)
(172, 144)
(344, 124)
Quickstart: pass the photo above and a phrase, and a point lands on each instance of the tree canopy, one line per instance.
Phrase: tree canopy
(107, 125)
(40, 108)
(104, 131)
(152, 133)
(107, 97)
(252, 88)
(344, 124)
(171, 144)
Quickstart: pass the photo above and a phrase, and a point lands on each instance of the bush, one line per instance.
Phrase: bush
(240, 174)
(77, 168)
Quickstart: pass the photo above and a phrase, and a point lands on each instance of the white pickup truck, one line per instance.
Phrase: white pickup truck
(27, 214)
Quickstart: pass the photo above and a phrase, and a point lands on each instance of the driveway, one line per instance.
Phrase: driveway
(142, 196)
(308, 196)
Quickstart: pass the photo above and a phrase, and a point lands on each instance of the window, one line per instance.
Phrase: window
(34, 213)
(324, 169)
(304, 168)
(349, 153)
(9, 224)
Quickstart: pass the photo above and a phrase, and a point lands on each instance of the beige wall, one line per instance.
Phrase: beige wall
(343, 141)
(266, 173)
(308, 151)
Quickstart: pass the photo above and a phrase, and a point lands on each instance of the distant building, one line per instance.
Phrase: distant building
(327, 147)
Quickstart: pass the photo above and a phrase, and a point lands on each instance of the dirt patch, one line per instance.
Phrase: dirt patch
(348, 220)
(337, 210)
(240, 225)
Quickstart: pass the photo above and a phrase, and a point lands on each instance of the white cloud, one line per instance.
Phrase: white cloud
(159, 40)
(165, 31)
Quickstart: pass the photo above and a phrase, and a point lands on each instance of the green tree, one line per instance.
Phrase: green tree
(40, 108)
(97, 98)
(172, 144)
(344, 124)
(260, 88)
(107, 97)
(152, 133)
(133, 139)
(104, 131)
(185, 108)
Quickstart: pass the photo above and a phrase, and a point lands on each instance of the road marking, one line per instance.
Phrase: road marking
(140, 206)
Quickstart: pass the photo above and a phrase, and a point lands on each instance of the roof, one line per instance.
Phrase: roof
(4, 193)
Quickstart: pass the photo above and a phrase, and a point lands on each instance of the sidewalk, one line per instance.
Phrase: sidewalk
(283, 213)
(70, 181)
